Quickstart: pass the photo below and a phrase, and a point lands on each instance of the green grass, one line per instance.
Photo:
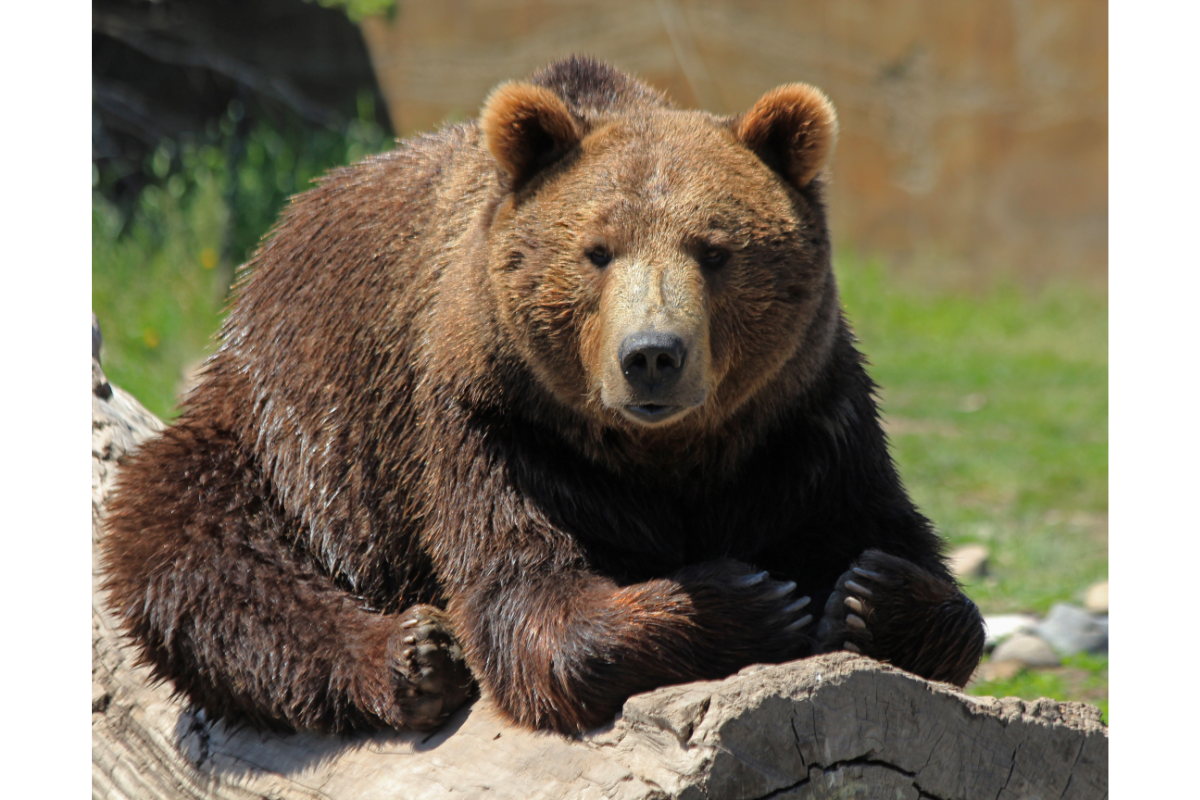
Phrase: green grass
(997, 409)
(1082, 677)
(156, 290)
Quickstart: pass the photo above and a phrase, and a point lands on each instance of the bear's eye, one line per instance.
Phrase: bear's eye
(713, 257)
(601, 256)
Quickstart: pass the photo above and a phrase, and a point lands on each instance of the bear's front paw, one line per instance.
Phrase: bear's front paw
(777, 606)
(753, 617)
(893, 610)
(430, 675)
(849, 612)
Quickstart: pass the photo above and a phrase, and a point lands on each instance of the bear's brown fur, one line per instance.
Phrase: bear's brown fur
(548, 397)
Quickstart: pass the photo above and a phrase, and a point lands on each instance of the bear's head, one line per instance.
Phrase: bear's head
(659, 268)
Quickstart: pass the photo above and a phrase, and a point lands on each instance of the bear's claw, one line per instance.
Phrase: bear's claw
(798, 624)
(430, 675)
(859, 589)
(752, 580)
(786, 616)
(845, 625)
(796, 606)
(781, 590)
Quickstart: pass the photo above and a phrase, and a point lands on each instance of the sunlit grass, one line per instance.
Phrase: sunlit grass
(156, 290)
(997, 409)
(1082, 677)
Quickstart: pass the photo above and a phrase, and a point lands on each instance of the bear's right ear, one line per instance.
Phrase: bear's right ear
(526, 128)
(792, 129)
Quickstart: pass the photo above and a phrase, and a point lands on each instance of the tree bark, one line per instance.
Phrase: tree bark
(834, 726)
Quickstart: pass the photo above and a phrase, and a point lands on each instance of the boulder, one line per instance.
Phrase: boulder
(1027, 649)
(969, 562)
(1070, 630)
(1001, 626)
(1096, 599)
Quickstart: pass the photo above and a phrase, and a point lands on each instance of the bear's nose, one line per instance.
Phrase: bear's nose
(652, 360)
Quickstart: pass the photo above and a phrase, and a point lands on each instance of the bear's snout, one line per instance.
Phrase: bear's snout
(655, 340)
(654, 365)
(651, 361)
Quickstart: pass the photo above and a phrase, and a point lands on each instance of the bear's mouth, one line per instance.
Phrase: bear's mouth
(652, 413)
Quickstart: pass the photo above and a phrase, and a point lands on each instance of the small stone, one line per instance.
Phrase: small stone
(969, 562)
(1070, 630)
(1001, 626)
(1027, 649)
(999, 670)
(1101, 623)
(1096, 599)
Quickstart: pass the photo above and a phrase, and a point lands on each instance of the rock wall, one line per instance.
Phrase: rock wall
(974, 136)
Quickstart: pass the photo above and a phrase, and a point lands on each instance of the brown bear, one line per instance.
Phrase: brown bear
(561, 402)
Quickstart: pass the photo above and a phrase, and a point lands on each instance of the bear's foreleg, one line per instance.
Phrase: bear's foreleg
(563, 649)
(201, 573)
(893, 610)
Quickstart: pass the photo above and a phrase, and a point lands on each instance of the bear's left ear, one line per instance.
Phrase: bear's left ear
(526, 128)
(792, 129)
